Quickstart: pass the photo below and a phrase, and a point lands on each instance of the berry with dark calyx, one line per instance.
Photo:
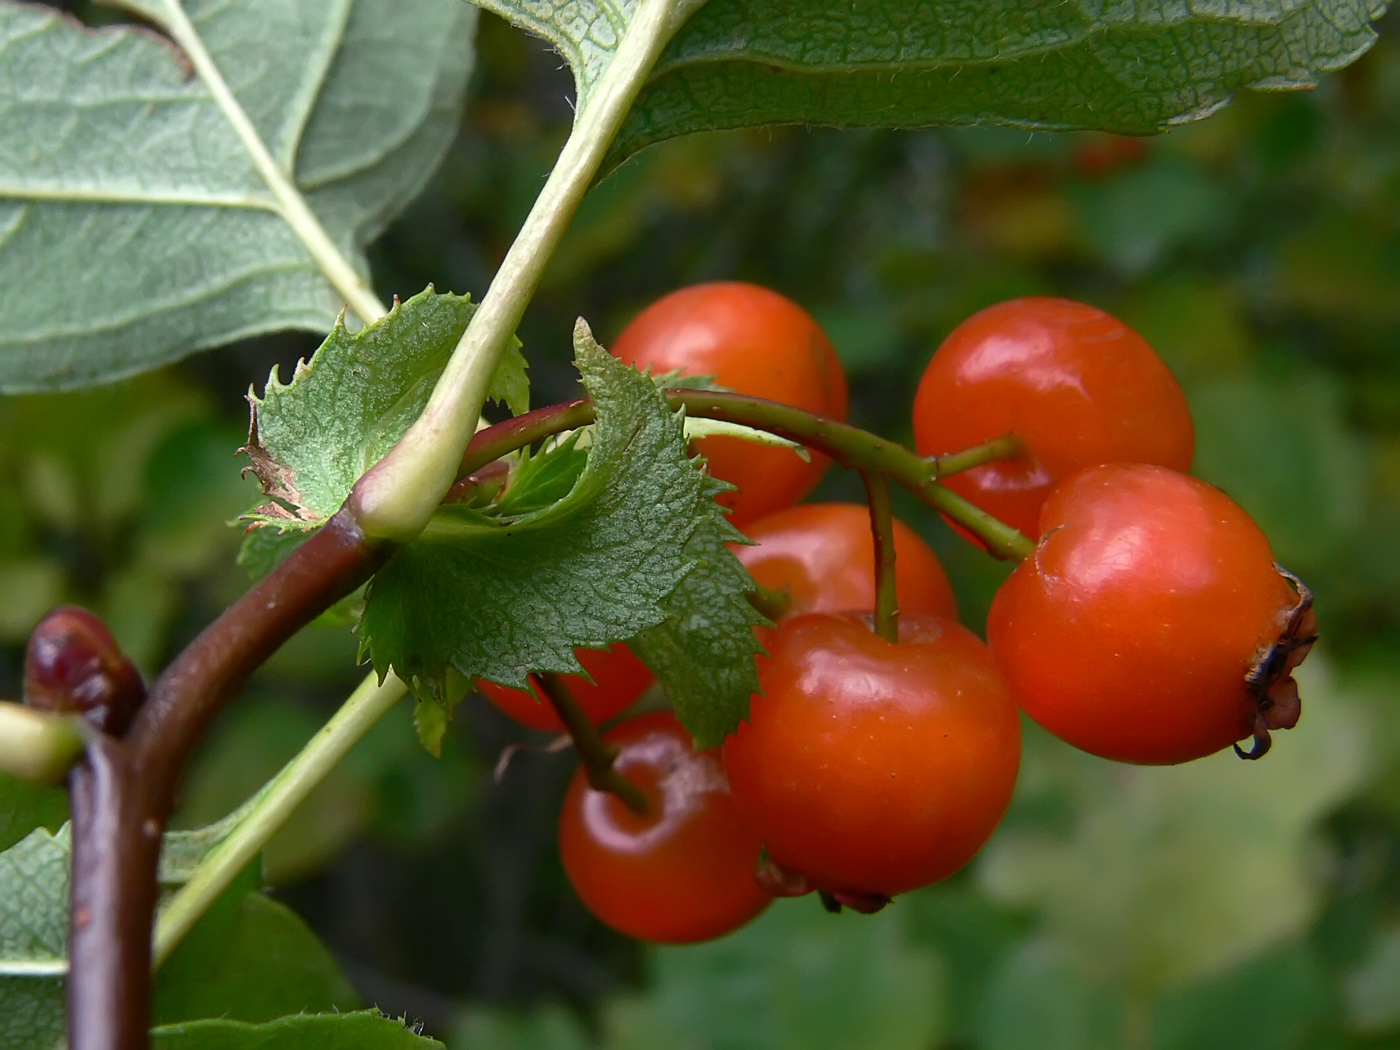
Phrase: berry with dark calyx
(683, 870)
(822, 556)
(872, 769)
(754, 341)
(1151, 624)
(619, 678)
(74, 665)
(1075, 384)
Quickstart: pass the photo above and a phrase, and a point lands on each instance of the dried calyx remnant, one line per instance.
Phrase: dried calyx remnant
(1270, 680)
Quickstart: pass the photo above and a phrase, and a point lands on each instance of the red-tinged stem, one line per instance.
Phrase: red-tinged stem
(595, 754)
(124, 790)
(877, 491)
(850, 446)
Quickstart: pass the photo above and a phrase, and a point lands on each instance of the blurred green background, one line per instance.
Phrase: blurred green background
(1214, 905)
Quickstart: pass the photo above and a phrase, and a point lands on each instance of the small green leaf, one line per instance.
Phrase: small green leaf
(703, 652)
(541, 480)
(313, 437)
(499, 599)
(135, 227)
(367, 1030)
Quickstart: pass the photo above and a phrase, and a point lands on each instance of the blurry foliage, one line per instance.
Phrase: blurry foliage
(1254, 907)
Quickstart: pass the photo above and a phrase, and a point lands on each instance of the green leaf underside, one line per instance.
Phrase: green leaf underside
(1129, 67)
(313, 437)
(703, 653)
(499, 599)
(366, 1030)
(134, 229)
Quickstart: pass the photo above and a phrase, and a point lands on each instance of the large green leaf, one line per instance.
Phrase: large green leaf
(899, 63)
(33, 933)
(135, 228)
(366, 1030)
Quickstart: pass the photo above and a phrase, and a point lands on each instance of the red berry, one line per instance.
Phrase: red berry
(1151, 624)
(823, 556)
(681, 872)
(871, 768)
(73, 664)
(756, 342)
(1078, 386)
(619, 678)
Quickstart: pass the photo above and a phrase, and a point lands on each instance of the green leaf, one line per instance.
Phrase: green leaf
(312, 438)
(134, 225)
(899, 63)
(703, 652)
(258, 964)
(33, 936)
(538, 481)
(498, 599)
(367, 1030)
(25, 806)
(794, 979)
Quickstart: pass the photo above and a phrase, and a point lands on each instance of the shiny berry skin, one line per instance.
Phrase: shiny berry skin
(619, 679)
(1132, 629)
(1078, 386)
(757, 342)
(822, 555)
(870, 768)
(73, 664)
(683, 871)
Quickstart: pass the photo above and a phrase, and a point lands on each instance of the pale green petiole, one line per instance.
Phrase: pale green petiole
(39, 746)
(395, 499)
(271, 807)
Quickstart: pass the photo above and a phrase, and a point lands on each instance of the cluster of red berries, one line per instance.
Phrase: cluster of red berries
(1149, 625)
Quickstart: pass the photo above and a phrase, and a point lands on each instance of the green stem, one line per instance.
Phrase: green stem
(395, 499)
(1008, 446)
(850, 446)
(595, 753)
(877, 491)
(271, 808)
(39, 746)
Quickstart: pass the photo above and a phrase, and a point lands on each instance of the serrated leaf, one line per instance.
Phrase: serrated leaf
(703, 652)
(1134, 68)
(34, 905)
(500, 599)
(135, 228)
(311, 438)
(366, 1030)
(541, 480)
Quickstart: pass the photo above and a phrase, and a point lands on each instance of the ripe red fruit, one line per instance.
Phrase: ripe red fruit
(756, 342)
(1151, 624)
(681, 872)
(619, 679)
(871, 768)
(1078, 386)
(73, 664)
(823, 556)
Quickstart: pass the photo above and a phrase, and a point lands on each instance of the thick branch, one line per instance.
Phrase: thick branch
(124, 791)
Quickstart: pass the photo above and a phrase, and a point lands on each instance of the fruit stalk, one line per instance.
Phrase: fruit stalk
(877, 491)
(596, 755)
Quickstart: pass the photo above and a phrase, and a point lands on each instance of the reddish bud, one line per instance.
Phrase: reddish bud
(73, 664)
